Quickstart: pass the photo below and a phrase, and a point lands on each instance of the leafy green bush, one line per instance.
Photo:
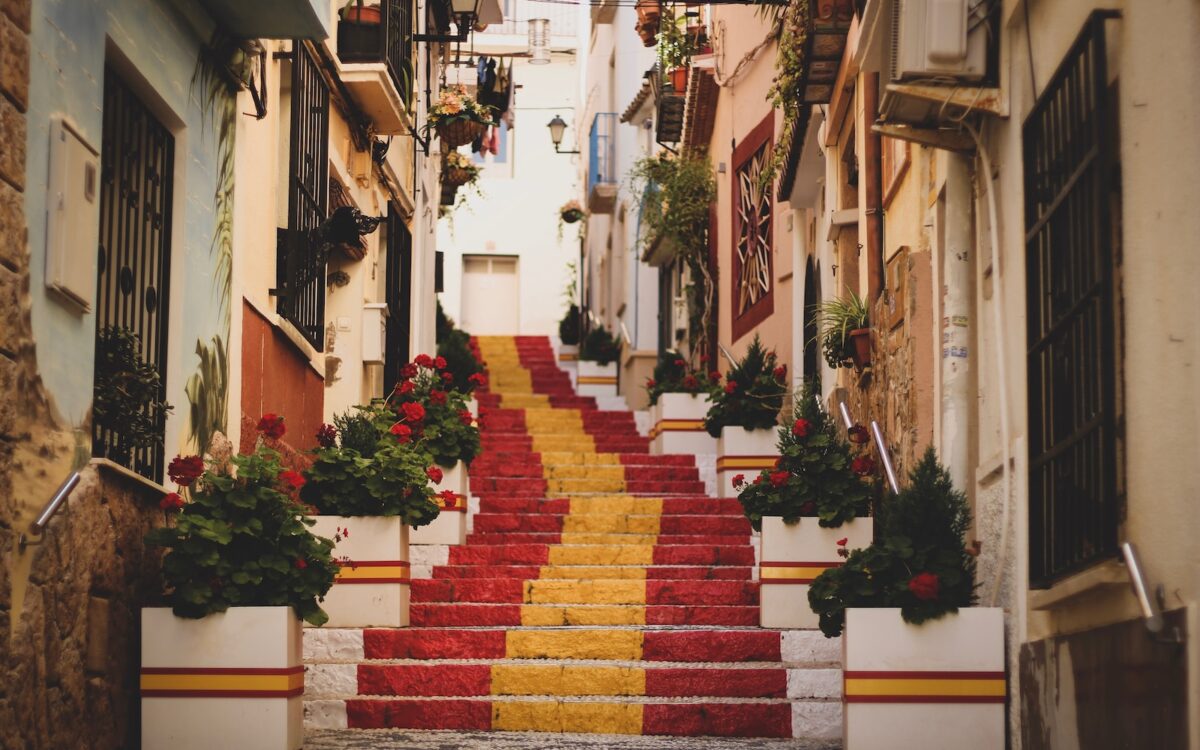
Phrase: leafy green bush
(243, 541)
(672, 374)
(455, 348)
(600, 346)
(392, 481)
(752, 395)
(919, 562)
(568, 327)
(817, 474)
(127, 404)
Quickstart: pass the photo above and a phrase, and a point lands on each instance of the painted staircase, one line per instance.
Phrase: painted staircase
(600, 591)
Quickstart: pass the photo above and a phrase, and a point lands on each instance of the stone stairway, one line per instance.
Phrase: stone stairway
(600, 591)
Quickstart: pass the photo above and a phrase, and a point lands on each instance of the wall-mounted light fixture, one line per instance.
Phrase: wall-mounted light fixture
(558, 126)
(539, 41)
(466, 14)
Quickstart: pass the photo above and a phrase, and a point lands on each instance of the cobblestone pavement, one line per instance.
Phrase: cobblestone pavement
(406, 740)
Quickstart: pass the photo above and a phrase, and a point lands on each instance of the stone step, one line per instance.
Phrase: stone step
(600, 539)
(593, 615)
(584, 592)
(584, 554)
(675, 573)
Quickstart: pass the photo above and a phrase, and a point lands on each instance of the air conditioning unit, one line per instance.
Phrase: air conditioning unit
(937, 39)
(679, 316)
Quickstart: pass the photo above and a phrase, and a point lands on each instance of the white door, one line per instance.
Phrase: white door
(491, 295)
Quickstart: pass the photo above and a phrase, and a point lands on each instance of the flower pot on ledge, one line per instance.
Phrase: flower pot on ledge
(677, 425)
(791, 556)
(742, 451)
(372, 589)
(678, 78)
(596, 379)
(935, 686)
(450, 527)
(231, 679)
(360, 35)
(860, 347)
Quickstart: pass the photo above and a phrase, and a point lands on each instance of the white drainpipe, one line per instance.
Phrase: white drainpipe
(958, 295)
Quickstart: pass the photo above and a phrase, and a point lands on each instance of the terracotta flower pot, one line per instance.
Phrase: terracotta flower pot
(455, 133)
(678, 78)
(860, 351)
(366, 14)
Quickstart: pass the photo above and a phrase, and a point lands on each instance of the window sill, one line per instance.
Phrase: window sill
(108, 466)
(1106, 575)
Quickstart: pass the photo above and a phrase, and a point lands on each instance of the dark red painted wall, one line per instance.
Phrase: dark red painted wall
(276, 377)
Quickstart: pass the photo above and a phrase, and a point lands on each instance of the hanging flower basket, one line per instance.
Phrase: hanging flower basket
(572, 216)
(457, 176)
(457, 118)
(459, 132)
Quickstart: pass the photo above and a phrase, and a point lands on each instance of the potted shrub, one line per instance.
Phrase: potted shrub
(458, 169)
(679, 400)
(457, 118)
(744, 414)
(598, 354)
(242, 570)
(845, 332)
(675, 50)
(127, 411)
(449, 435)
(369, 482)
(812, 509)
(360, 32)
(568, 334)
(923, 668)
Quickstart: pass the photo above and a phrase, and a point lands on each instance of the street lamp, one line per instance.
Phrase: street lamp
(465, 12)
(558, 126)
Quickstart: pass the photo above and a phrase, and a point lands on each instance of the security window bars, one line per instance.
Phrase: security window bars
(137, 159)
(752, 244)
(388, 41)
(300, 266)
(1069, 158)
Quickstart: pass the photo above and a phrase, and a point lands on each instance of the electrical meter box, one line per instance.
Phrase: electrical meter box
(72, 215)
(374, 333)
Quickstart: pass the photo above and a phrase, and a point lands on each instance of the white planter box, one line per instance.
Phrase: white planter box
(597, 380)
(450, 527)
(678, 425)
(742, 451)
(567, 353)
(791, 556)
(232, 679)
(936, 686)
(372, 588)
(473, 407)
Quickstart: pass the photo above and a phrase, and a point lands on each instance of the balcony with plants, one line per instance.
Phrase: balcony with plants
(375, 55)
(602, 178)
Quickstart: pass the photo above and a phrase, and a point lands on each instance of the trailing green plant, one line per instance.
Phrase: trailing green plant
(127, 402)
(568, 327)
(752, 395)
(672, 374)
(599, 346)
(438, 414)
(790, 65)
(241, 538)
(919, 561)
(675, 47)
(677, 195)
(818, 474)
(836, 318)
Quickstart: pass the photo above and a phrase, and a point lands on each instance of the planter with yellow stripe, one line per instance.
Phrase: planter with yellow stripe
(596, 379)
(231, 679)
(742, 451)
(450, 527)
(679, 425)
(372, 588)
(938, 685)
(791, 556)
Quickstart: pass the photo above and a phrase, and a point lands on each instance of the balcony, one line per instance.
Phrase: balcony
(272, 19)
(375, 51)
(602, 179)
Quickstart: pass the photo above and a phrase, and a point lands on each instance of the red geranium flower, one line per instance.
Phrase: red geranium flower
(437, 397)
(272, 426)
(440, 363)
(407, 387)
(171, 501)
(434, 474)
(759, 479)
(739, 480)
(714, 376)
(447, 377)
(183, 470)
(292, 478)
(690, 382)
(801, 427)
(478, 379)
(650, 382)
(301, 563)
(423, 360)
(858, 434)
(924, 586)
(780, 373)
(862, 465)
(448, 498)
(842, 542)
(413, 412)
(402, 431)
(326, 436)
(408, 371)
(466, 417)
(730, 386)
(779, 478)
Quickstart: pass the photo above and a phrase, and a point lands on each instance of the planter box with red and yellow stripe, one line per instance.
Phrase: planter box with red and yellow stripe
(791, 556)
(450, 527)
(596, 379)
(678, 425)
(372, 588)
(934, 686)
(742, 451)
(231, 679)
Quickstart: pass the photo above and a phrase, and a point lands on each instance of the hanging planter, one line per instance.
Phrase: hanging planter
(845, 333)
(860, 348)
(458, 170)
(457, 118)
(572, 212)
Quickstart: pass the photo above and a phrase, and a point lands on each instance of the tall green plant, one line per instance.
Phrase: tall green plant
(752, 395)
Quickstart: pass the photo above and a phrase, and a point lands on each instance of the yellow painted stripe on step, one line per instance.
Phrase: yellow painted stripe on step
(560, 457)
(603, 645)
(615, 504)
(601, 539)
(577, 572)
(560, 487)
(556, 680)
(612, 524)
(575, 471)
(621, 591)
(522, 400)
(628, 554)
(549, 615)
(573, 716)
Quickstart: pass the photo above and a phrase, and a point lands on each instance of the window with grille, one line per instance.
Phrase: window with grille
(398, 295)
(137, 163)
(1070, 192)
(753, 283)
(300, 262)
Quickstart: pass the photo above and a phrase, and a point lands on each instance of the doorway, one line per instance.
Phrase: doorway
(491, 295)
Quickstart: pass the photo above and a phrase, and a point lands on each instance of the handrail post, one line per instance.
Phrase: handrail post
(885, 457)
(38, 527)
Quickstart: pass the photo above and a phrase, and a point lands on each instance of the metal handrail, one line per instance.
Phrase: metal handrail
(1151, 605)
(625, 334)
(38, 527)
(881, 446)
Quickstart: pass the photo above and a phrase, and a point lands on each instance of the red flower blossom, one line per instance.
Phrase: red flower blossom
(434, 474)
(326, 436)
(301, 563)
(858, 434)
(449, 499)
(714, 376)
(924, 586)
(680, 363)
(780, 373)
(407, 387)
(440, 363)
(759, 479)
(183, 470)
(730, 386)
(423, 360)
(862, 465)
(171, 501)
(843, 541)
(690, 382)
(413, 412)
(437, 397)
(466, 417)
(402, 432)
(739, 480)
(447, 377)
(408, 371)
(272, 426)
(779, 478)
(478, 379)
(801, 427)
(292, 478)
(650, 382)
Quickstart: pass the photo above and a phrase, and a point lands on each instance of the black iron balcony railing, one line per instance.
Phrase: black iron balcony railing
(365, 38)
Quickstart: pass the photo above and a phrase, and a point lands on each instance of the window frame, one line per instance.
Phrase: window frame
(759, 138)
